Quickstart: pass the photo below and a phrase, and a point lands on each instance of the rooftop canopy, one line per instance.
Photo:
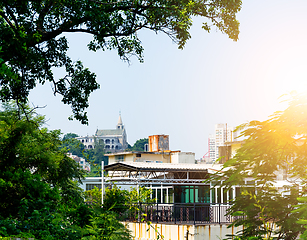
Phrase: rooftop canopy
(157, 167)
(165, 173)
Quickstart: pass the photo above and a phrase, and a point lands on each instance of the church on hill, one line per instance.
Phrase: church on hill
(114, 140)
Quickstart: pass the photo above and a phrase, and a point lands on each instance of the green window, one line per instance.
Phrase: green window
(192, 194)
(218, 190)
(158, 195)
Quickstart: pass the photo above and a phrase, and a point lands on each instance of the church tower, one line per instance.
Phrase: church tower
(120, 122)
(120, 127)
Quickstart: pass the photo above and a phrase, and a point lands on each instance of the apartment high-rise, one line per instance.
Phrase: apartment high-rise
(223, 133)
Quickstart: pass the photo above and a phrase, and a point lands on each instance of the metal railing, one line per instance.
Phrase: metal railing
(180, 213)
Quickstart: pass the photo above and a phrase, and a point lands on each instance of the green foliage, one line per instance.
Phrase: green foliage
(94, 156)
(73, 145)
(275, 147)
(33, 42)
(116, 203)
(251, 238)
(98, 153)
(140, 195)
(38, 195)
(116, 200)
(261, 212)
(95, 171)
(139, 145)
(31, 161)
(93, 197)
(159, 235)
(70, 136)
(105, 226)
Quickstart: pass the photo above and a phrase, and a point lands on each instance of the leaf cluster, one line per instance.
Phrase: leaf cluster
(138, 146)
(120, 202)
(94, 156)
(105, 226)
(73, 145)
(274, 149)
(39, 193)
(33, 42)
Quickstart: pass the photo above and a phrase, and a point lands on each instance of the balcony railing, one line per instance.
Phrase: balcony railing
(180, 213)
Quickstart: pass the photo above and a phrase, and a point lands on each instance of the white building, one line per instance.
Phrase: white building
(114, 140)
(211, 141)
(223, 133)
(82, 162)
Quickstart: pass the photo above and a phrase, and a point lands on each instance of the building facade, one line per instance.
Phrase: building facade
(176, 157)
(82, 162)
(223, 134)
(114, 140)
(158, 143)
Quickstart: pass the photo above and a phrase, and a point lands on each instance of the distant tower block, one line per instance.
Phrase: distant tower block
(158, 143)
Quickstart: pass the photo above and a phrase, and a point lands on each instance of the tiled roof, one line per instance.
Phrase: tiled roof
(109, 132)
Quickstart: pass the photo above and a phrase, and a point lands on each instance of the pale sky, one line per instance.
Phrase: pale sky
(184, 93)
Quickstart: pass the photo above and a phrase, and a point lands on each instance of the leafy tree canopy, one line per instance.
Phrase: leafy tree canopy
(98, 153)
(37, 190)
(32, 43)
(96, 156)
(72, 145)
(69, 136)
(139, 145)
(38, 195)
(275, 149)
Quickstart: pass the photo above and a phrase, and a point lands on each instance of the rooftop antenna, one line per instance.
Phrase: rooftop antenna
(226, 158)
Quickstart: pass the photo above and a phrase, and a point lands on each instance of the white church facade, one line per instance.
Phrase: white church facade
(114, 140)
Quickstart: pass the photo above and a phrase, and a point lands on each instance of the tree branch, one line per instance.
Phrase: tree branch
(68, 25)
(2, 14)
(12, 16)
(42, 15)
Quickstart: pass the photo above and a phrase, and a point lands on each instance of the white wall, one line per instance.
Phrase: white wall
(182, 157)
(141, 231)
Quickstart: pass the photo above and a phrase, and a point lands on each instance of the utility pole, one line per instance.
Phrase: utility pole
(102, 182)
